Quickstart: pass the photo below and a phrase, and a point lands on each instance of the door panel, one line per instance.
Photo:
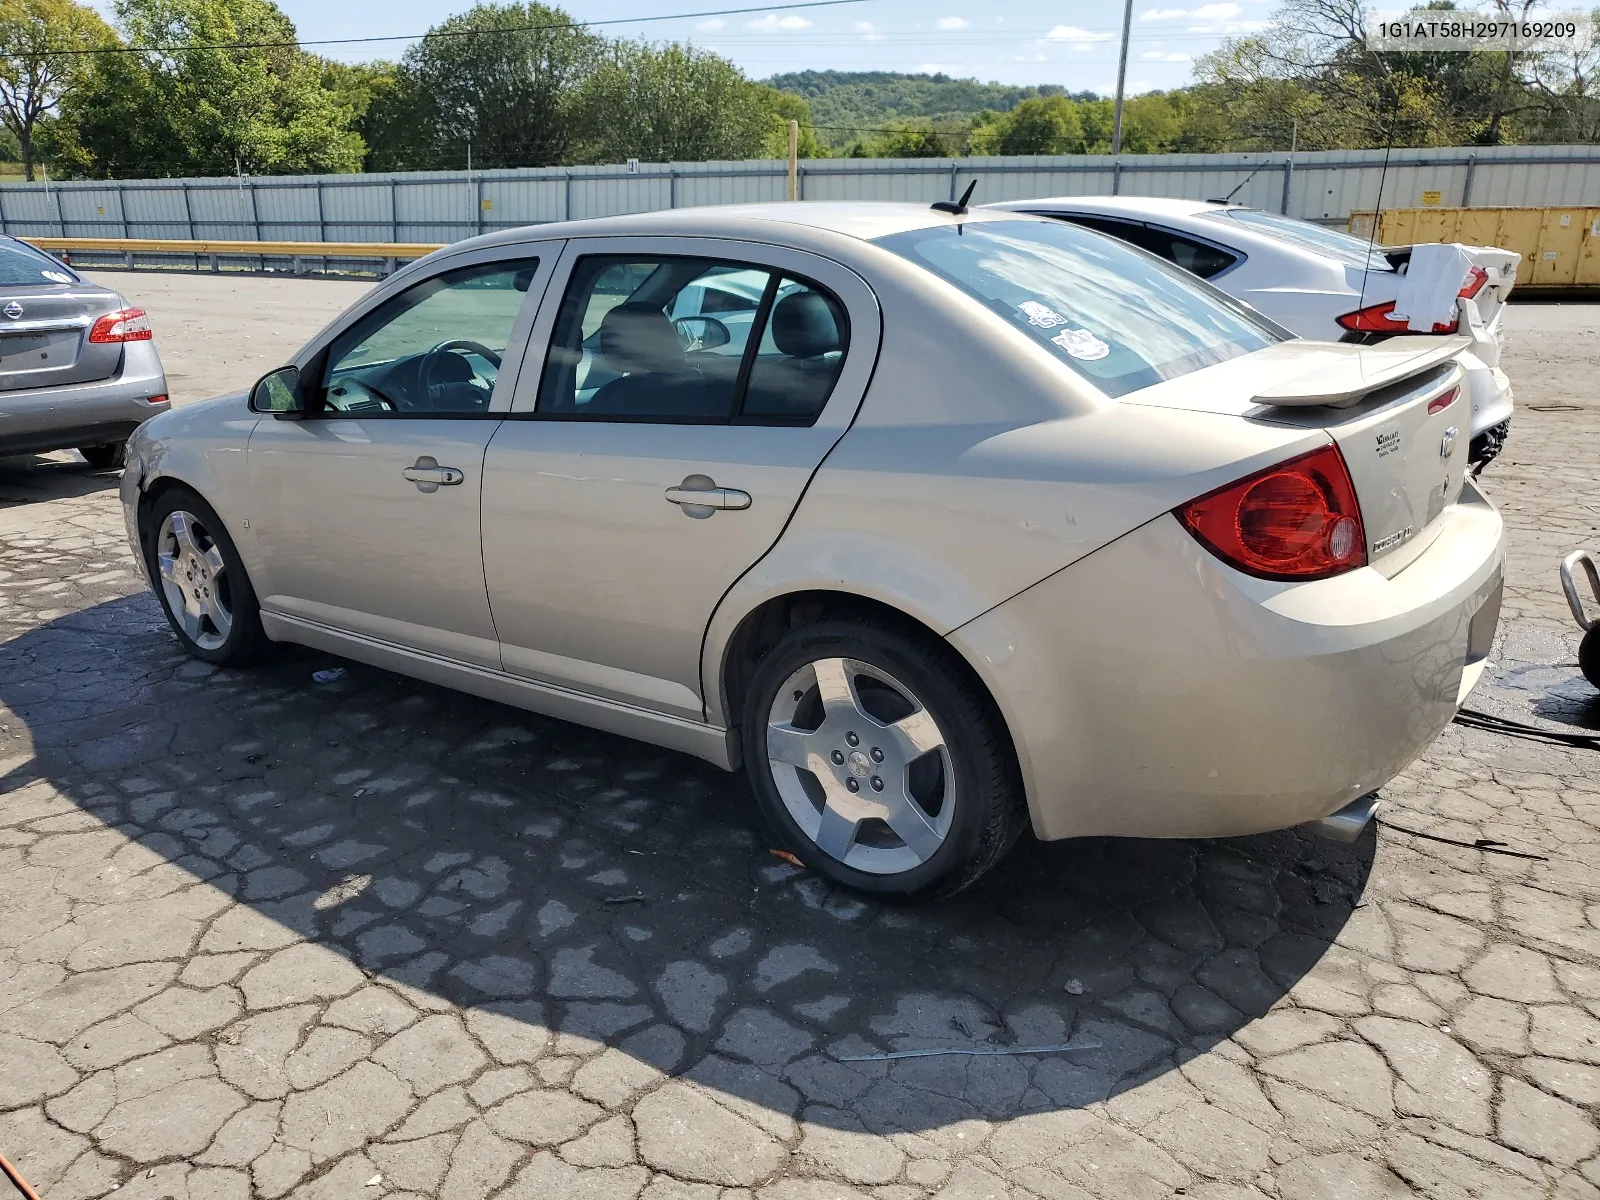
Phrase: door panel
(601, 583)
(349, 541)
(598, 580)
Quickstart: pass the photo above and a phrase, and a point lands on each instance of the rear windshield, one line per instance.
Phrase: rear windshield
(23, 266)
(1335, 243)
(1119, 317)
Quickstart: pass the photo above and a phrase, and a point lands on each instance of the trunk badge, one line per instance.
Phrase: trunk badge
(12, 310)
(1448, 443)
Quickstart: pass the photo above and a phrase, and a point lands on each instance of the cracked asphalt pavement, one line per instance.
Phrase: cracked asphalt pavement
(261, 937)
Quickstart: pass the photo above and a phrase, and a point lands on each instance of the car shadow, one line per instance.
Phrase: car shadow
(612, 893)
(31, 478)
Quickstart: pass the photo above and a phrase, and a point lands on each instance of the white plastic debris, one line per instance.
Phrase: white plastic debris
(1428, 289)
(1074, 987)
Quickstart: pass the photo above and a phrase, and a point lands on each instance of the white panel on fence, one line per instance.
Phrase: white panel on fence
(444, 206)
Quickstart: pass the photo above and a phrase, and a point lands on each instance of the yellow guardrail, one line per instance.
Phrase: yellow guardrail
(383, 250)
(1560, 247)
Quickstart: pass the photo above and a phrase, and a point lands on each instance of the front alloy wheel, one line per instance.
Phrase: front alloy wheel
(194, 578)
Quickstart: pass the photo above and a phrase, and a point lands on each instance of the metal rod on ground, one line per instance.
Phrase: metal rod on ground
(794, 160)
(1122, 79)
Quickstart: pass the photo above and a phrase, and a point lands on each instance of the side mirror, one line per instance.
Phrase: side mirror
(702, 333)
(278, 393)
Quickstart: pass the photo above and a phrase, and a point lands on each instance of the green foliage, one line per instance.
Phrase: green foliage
(673, 103)
(196, 110)
(849, 106)
(34, 76)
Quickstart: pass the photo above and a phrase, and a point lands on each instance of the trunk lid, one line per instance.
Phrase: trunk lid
(1408, 464)
(44, 336)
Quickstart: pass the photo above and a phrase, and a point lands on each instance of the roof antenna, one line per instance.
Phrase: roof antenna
(958, 207)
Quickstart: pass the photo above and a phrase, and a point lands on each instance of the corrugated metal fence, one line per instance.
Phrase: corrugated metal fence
(447, 206)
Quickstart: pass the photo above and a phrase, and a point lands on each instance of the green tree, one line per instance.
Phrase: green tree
(786, 107)
(200, 109)
(505, 79)
(33, 73)
(1048, 125)
(674, 103)
(913, 140)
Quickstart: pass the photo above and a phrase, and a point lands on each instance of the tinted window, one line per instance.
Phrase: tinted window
(1121, 319)
(802, 351)
(23, 266)
(679, 339)
(1195, 257)
(1335, 243)
(433, 349)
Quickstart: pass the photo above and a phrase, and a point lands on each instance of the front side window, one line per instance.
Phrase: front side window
(690, 340)
(23, 266)
(435, 349)
(1118, 317)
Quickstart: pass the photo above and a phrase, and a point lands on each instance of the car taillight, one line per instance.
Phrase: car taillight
(1297, 520)
(123, 325)
(1380, 318)
(1443, 401)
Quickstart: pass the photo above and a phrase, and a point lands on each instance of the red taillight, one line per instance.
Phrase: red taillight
(1297, 520)
(123, 325)
(1380, 318)
(1441, 402)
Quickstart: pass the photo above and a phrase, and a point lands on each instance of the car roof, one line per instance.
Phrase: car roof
(1120, 206)
(863, 220)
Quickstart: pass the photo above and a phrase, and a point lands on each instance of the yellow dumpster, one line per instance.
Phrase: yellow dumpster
(1560, 247)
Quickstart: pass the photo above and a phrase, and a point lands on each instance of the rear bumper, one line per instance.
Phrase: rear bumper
(1489, 390)
(1152, 691)
(85, 414)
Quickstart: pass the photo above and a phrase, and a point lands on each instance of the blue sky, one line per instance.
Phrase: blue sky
(1073, 43)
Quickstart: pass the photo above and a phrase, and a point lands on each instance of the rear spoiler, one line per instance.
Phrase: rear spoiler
(1342, 374)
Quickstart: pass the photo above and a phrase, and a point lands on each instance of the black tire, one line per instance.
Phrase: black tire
(108, 456)
(1589, 655)
(990, 812)
(245, 641)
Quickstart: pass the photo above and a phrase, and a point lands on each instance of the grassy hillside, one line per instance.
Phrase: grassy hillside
(844, 101)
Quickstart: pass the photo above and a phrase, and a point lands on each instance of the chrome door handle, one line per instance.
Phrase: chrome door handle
(699, 496)
(429, 476)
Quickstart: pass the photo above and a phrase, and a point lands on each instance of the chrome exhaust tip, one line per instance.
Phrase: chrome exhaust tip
(1346, 824)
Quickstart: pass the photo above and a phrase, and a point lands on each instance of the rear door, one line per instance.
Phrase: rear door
(46, 313)
(644, 468)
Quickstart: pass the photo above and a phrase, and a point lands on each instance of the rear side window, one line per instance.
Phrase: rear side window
(1333, 243)
(1119, 318)
(680, 340)
(23, 266)
(1197, 258)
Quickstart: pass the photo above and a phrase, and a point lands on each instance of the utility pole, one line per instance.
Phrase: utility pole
(1122, 79)
(794, 160)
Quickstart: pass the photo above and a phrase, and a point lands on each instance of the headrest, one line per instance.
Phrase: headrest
(637, 338)
(806, 324)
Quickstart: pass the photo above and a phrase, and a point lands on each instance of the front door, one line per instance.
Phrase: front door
(368, 508)
(657, 449)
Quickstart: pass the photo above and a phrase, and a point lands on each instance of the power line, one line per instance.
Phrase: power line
(446, 33)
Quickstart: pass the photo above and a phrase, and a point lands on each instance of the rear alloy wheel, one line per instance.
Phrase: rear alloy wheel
(878, 762)
(201, 581)
(110, 455)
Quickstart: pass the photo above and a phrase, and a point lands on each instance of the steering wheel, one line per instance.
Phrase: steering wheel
(428, 368)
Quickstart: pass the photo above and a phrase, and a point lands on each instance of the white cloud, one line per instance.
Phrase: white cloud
(933, 68)
(1229, 28)
(1165, 56)
(868, 31)
(1026, 58)
(1206, 12)
(953, 24)
(711, 26)
(1075, 34)
(773, 23)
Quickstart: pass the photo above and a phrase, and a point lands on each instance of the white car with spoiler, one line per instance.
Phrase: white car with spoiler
(977, 521)
(1326, 284)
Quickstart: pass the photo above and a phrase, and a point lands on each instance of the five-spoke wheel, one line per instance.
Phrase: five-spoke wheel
(879, 760)
(200, 579)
